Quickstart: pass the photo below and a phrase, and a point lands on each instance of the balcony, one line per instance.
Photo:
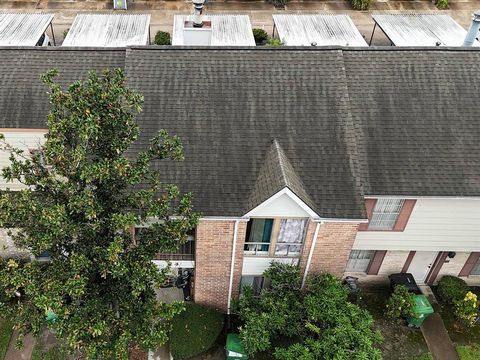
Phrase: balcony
(185, 252)
(281, 249)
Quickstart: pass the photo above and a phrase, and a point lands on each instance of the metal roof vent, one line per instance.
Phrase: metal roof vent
(197, 12)
(473, 30)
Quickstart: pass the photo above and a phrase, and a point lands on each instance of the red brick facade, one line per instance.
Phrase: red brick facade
(334, 243)
(214, 241)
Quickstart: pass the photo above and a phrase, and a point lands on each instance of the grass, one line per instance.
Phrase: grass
(400, 341)
(468, 352)
(6, 330)
(195, 331)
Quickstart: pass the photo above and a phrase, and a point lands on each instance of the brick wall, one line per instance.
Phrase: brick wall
(334, 243)
(214, 241)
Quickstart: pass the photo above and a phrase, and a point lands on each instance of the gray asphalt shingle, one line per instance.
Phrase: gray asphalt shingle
(331, 124)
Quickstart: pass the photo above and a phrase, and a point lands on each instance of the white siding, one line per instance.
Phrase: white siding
(257, 265)
(19, 139)
(434, 225)
(283, 206)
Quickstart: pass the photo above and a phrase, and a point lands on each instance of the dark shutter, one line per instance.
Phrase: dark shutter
(376, 262)
(404, 215)
(369, 206)
(469, 264)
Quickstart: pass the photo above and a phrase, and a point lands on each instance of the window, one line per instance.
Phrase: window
(360, 260)
(259, 232)
(476, 268)
(184, 251)
(385, 214)
(275, 237)
(256, 282)
(290, 237)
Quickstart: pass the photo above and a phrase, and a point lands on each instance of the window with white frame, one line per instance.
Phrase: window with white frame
(360, 260)
(476, 268)
(275, 237)
(385, 214)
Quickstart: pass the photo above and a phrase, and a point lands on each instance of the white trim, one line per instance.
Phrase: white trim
(407, 197)
(232, 265)
(224, 218)
(310, 255)
(291, 195)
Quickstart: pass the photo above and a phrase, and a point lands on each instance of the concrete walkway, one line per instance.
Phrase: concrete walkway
(437, 339)
(25, 353)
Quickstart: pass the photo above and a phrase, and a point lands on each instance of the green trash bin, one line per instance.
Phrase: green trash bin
(422, 310)
(235, 350)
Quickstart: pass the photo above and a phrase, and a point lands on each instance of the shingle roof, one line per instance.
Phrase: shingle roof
(275, 174)
(23, 99)
(331, 124)
(227, 108)
(418, 120)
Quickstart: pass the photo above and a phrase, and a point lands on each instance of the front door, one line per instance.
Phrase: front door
(421, 264)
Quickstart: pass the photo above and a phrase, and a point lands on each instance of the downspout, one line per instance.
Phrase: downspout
(310, 255)
(232, 265)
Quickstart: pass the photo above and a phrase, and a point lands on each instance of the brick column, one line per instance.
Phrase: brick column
(334, 243)
(213, 254)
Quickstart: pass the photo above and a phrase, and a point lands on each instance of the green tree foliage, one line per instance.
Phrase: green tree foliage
(83, 197)
(320, 318)
(401, 303)
(451, 288)
(162, 38)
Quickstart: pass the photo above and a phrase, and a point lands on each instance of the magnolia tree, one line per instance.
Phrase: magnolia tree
(82, 197)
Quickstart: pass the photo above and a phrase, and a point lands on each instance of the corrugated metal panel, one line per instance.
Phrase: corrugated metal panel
(22, 29)
(323, 29)
(108, 30)
(227, 30)
(421, 29)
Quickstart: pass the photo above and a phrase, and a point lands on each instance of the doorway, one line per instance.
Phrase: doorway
(421, 264)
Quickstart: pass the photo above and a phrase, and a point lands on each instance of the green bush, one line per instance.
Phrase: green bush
(194, 331)
(466, 309)
(279, 3)
(451, 288)
(162, 38)
(274, 42)
(360, 4)
(442, 4)
(401, 303)
(318, 321)
(260, 36)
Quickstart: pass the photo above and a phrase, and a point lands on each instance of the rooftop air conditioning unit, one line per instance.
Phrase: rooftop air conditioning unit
(120, 4)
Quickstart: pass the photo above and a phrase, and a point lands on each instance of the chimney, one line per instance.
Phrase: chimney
(473, 31)
(197, 12)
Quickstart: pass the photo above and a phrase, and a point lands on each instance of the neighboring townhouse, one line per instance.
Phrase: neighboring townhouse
(348, 160)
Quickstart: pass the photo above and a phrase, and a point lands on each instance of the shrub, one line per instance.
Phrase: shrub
(194, 331)
(279, 3)
(466, 310)
(360, 4)
(274, 42)
(318, 322)
(451, 288)
(468, 352)
(442, 4)
(401, 303)
(260, 36)
(162, 38)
